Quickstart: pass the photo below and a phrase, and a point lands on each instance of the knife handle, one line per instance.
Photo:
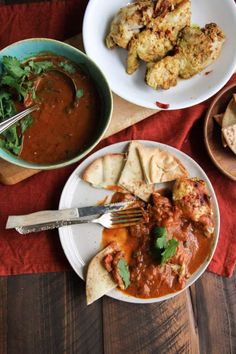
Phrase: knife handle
(49, 225)
(45, 216)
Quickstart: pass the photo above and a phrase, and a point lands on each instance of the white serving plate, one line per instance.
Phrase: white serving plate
(132, 88)
(81, 242)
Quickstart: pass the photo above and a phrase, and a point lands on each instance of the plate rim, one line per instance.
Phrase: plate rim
(196, 275)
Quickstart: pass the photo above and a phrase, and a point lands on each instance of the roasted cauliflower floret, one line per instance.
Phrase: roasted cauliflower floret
(196, 49)
(164, 73)
(199, 48)
(129, 21)
(160, 36)
(192, 197)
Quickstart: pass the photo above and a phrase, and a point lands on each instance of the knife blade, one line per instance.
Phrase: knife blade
(46, 216)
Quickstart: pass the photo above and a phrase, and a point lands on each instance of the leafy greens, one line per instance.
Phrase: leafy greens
(124, 272)
(163, 249)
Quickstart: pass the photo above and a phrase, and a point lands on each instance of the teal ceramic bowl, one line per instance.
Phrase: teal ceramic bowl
(25, 49)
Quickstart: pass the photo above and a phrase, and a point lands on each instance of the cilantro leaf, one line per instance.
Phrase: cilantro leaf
(12, 82)
(79, 93)
(68, 67)
(124, 272)
(7, 108)
(12, 142)
(13, 66)
(25, 123)
(160, 235)
(163, 249)
(39, 67)
(170, 250)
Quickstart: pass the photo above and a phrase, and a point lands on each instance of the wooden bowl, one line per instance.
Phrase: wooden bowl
(222, 156)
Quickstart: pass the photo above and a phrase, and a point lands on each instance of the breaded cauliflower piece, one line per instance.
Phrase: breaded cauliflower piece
(195, 50)
(129, 21)
(160, 36)
(192, 197)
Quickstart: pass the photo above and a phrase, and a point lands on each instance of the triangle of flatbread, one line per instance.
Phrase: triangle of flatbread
(159, 165)
(230, 136)
(105, 171)
(132, 177)
(229, 117)
(98, 281)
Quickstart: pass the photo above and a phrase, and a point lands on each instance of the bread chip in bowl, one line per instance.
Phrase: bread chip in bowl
(230, 136)
(229, 125)
(229, 117)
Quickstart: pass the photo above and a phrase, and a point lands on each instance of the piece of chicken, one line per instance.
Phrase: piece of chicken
(159, 37)
(192, 197)
(196, 49)
(129, 21)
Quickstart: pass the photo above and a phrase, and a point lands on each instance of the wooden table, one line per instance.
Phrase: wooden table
(47, 314)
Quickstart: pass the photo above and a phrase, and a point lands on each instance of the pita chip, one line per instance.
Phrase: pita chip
(230, 136)
(98, 281)
(105, 171)
(132, 177)
(229, 117)
(159, 165)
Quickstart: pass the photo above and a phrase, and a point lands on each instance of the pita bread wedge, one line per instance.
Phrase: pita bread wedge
(230, 136)
(105, 171)
(132, 177)
(219, 118)
(98, 281)
(159, 165)
(229, 117)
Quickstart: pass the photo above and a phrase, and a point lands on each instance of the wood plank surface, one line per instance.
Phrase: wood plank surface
(47, 314)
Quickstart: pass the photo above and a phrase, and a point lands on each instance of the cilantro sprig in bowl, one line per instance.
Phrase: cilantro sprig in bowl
(65, 128)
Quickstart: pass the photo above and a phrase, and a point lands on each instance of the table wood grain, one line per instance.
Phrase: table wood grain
(47, 314)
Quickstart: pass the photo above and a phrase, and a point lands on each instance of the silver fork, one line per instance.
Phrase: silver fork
(115, 219)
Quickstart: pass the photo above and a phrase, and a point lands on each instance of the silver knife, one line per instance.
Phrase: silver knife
(49, 216)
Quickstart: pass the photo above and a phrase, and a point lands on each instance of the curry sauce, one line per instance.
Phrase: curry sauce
(149, 278)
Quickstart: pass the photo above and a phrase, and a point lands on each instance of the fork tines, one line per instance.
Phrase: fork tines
(126, 217)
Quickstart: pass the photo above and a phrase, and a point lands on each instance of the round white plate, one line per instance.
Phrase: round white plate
(132, 88)
(81, 242)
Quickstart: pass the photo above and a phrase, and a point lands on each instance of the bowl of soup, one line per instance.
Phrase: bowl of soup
(72, 95)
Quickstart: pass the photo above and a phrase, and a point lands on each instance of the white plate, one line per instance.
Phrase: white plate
(132, 88)
(81, 242)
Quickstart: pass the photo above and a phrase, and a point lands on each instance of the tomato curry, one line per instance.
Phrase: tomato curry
(156, 272)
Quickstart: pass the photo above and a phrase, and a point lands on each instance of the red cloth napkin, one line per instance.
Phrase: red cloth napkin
(182, 129)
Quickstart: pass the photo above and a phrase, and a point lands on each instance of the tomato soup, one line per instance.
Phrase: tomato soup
(66, 120)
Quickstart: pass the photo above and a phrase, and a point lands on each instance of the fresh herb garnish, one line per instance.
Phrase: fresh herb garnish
(124, 272)
(170, 250)
(15, 80)
(163, 249)
(13, 67)
(68, 67)
(160, 237)
(39, 67)
(26, 123)
(79, 93)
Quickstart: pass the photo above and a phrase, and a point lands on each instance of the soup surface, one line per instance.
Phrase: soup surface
(62, 127)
